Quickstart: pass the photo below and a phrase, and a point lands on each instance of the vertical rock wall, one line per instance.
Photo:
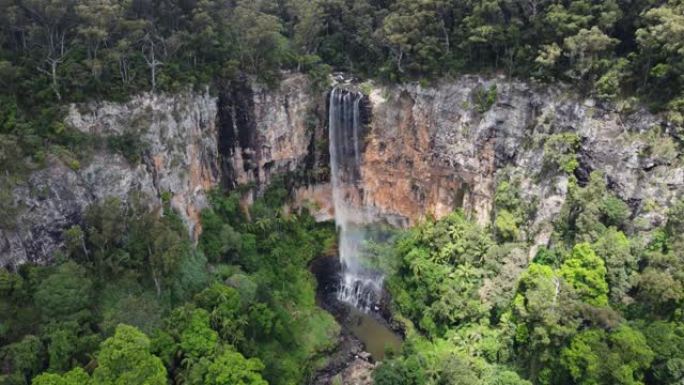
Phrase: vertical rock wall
(432, 149)
(179, 157)
(426, 151)
(192, 142)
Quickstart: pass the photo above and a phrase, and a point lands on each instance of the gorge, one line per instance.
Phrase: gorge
(341, 192)
(364, 155)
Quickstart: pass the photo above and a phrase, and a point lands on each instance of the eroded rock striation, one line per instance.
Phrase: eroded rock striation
(179, 158)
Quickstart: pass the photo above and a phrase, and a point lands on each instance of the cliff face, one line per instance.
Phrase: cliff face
(265, 132)
(426, 151)
(179, 157)
(192, 142)
(433, 149)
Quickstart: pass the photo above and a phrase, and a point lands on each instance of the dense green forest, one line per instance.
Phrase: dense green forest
(596, 307)
(69, 50)
(131, 301)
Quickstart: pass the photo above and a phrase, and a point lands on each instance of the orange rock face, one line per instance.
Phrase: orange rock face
(401, 177)
(404, 175)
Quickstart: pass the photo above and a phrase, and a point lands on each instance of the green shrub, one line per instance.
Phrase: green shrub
(586, 272)
(485, 98)
(129, 145)
(318, 72)
(560, 152)
(615, 211)
(74, 164)
(506, 226)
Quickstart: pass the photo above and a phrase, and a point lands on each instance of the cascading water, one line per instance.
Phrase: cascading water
(360, 285)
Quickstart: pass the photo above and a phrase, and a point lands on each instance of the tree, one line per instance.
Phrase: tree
(75, 241)
(261, 46)
(66, 294)
(158, 245)
(68, 343)
(140, 310)
(349, 38)
(23, 358)
(226, 311)
(666, 339)
(123, 51)
(232, 368)
(589, 51)
(152, 47)
(618, 357)
(76, 376)
(567, 20)
(489, 28)
(218, 239)
(506, 377)
(414, 31)
(621, 264)
(545, 316)
(197, 339)
(660, 286)
(125, 358)
(589, 210)
(662, 51)
(310, 23)
(52, 31)
(440, 273)
(99, 18)
(560, 152)
(609, 84)
(586, 273)
(165, 253)
(675, 219)
(106, 226)
(506, 226)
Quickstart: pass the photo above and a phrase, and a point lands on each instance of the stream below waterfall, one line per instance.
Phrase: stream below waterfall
(375, 335)
(370, 328)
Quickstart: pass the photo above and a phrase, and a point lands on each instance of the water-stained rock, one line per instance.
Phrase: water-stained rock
(190, 141)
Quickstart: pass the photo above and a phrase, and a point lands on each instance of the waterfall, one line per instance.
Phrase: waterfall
(360, 285)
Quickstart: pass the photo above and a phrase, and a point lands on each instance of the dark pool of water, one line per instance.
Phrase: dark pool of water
(375, 335)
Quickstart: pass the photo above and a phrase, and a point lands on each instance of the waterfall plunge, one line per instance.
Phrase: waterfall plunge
(360, 285)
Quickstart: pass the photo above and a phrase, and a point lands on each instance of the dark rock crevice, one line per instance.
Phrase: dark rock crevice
(236, 129)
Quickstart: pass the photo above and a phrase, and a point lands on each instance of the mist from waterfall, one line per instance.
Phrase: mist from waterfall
(360, 285)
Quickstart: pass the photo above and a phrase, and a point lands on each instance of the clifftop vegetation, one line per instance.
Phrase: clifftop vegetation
(68, 50)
